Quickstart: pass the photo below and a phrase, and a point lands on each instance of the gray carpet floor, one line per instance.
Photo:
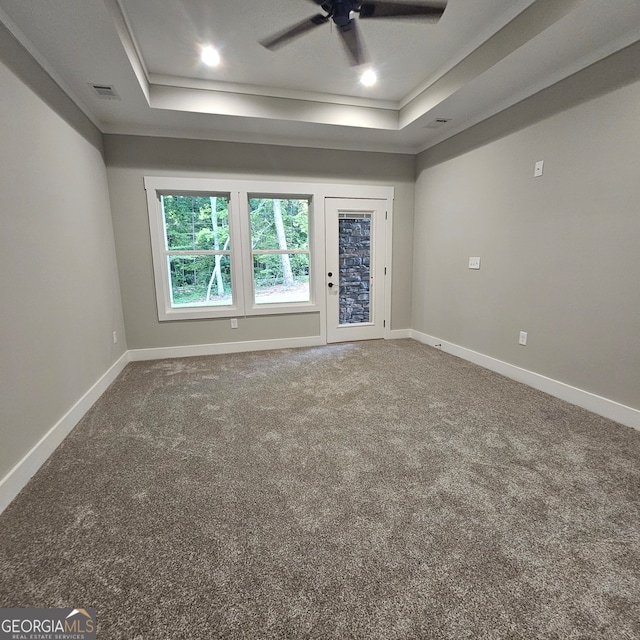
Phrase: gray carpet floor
(377, 490)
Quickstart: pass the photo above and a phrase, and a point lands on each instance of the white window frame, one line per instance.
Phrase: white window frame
(242, 281)
(265, 308)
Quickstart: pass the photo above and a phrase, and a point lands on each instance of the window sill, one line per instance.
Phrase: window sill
(209, 313)
(275, 308)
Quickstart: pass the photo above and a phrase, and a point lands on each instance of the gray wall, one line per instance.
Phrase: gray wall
(130, 158)
(59, 285)
(559, 253)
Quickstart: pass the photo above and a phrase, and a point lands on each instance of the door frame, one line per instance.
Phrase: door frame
(374, 328)
(360, 192)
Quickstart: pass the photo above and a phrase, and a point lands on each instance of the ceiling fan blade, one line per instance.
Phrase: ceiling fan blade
(382, 9)
(284, 37)
(351, 40)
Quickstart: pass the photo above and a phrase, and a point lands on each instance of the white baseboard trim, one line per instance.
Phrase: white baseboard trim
(398, 334)
(585, 399)
(188, 351)
(22, 472)
(17, 478)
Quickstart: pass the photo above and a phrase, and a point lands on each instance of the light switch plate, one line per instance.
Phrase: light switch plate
(537, 171)
(474, 263)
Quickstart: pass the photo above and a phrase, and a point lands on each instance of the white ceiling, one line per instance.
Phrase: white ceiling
(483, 56)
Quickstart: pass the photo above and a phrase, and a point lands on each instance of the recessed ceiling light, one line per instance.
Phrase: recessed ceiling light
(369, 78)
(210, 56)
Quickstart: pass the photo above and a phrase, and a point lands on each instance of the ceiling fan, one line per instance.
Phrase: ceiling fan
(341, 12)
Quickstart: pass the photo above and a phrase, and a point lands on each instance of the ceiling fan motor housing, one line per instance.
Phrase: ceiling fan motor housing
(341, 12)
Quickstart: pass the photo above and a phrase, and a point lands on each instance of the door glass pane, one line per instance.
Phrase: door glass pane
(354, 248)
(199, 281)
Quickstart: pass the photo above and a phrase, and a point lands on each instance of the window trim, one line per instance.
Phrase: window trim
(238, 192)
(271, 308)
(157, 187)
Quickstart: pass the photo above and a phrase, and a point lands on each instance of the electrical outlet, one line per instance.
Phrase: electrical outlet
(234, 323)
(523, 338)
(474, 263)
(537, 170)
(115, 337)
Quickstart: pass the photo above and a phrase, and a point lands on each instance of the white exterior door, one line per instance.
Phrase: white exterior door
(355, 268)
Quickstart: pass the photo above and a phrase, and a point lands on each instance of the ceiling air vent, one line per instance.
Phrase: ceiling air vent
(438, 122)
(105, 91)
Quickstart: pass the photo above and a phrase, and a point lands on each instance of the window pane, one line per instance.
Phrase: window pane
(198, 281)
(196, 222)
(279, 223)
(281, 278)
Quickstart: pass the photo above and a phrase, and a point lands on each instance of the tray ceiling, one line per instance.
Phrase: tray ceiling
(483, 56)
